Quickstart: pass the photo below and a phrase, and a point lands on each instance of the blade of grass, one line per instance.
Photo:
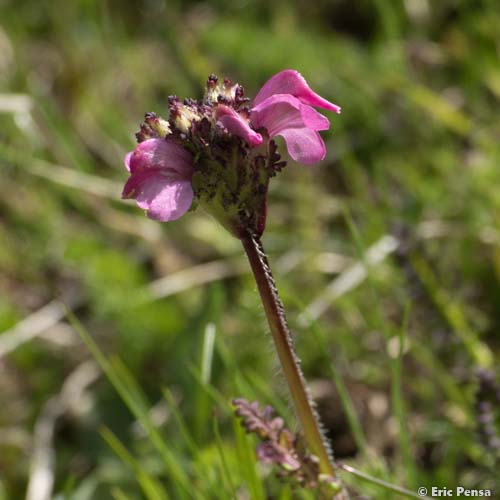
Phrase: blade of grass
(69, 486)
(180, 480)
(118, 494)
(285, 493)
(242, 385)
(181, 424)
(245, 459)
(379, 482)
(441, 375)
(454, 315)
(394, 362)
(168, 456)
(118, 368)
(380, 319)
(207, 353)
(202, 414)
(151, 488)
(256, 388)
(345, 399)
(214, 394)
(69, 177)
(247, 462)
(226, 475)
(438, 108)
(398, 404)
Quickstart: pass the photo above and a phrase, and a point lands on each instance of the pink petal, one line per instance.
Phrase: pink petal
(162, 154)
(237, 125)
(304, 145)
(276, 113)
(282, 111)
(134, 183)
(164, 197)
(313, 119)
(127, 160)
(160, 179)
(297, 123)
(292, 82)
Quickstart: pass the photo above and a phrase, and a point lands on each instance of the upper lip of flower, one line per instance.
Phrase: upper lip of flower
(290, 81)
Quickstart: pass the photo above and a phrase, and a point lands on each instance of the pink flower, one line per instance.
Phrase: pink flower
(160, 179)
(283, 107)
(204, 136)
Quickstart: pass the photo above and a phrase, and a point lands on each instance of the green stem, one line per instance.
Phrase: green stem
(290, 363)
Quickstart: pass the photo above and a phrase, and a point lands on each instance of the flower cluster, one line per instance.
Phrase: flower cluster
(280, 447)
(220, 151)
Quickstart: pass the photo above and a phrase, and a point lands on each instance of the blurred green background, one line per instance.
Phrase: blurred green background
(410, 189)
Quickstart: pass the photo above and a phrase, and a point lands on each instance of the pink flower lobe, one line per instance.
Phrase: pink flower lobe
(160, 179)
(292, 82)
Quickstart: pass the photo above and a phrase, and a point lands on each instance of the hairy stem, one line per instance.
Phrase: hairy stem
(290, 363)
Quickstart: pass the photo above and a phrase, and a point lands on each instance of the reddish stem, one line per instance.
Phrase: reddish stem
(290, 363)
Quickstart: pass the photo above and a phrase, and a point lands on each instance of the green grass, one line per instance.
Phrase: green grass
(391, 361)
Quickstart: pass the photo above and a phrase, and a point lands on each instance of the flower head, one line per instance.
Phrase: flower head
(220, 151)
(280, 447)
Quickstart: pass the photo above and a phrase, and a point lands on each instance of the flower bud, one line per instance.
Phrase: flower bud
(183, 115)
(225, 92)
(153, 127)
